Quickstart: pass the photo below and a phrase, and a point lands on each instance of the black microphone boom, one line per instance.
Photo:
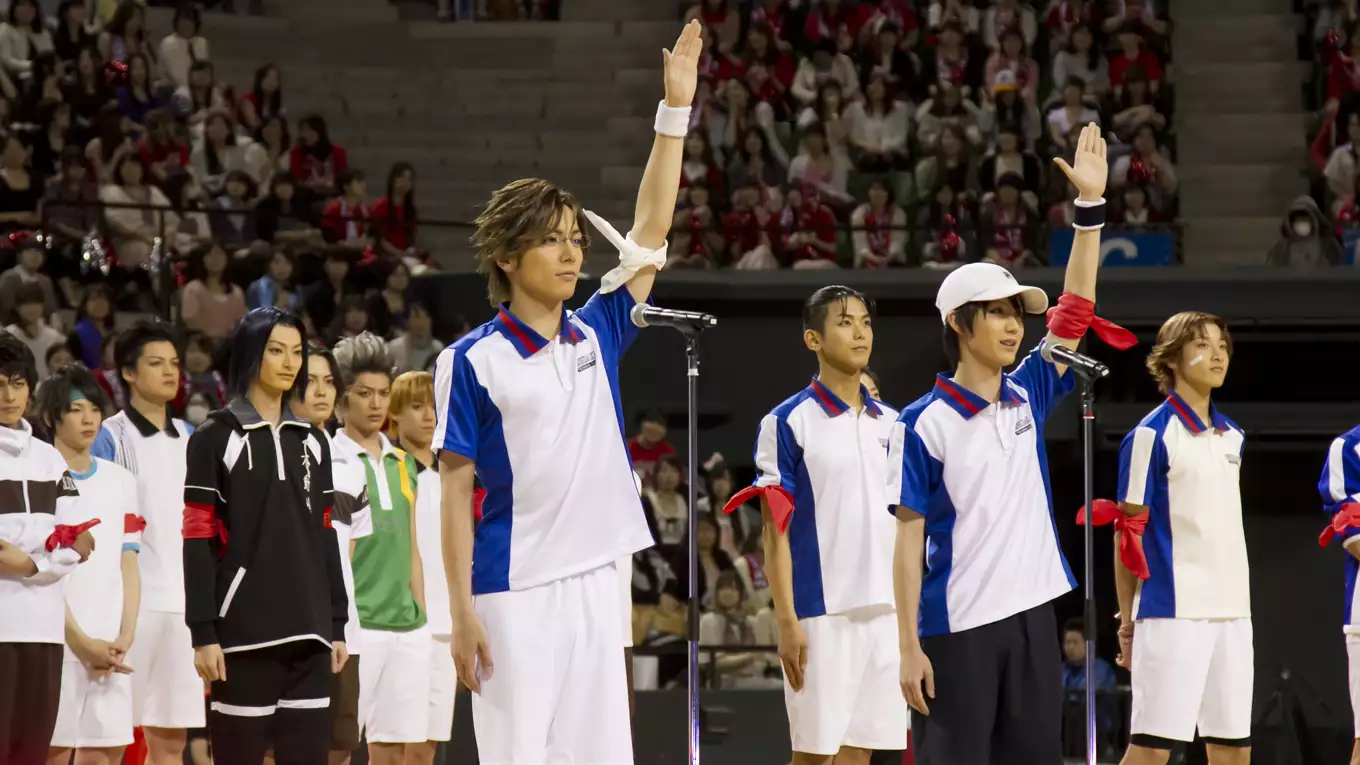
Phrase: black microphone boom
(644, 315)
(1085, 366)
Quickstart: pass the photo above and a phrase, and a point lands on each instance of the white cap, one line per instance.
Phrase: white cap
(981, 282)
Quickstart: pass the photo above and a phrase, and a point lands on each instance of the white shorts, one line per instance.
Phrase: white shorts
(1353, 654)
(166, 689)
(557, 690)
(850, 695)
(95, 711)
(394, 676)
(1192, 672)
(443, 688)
(625, 569)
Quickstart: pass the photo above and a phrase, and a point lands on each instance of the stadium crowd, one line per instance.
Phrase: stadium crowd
(885, 133)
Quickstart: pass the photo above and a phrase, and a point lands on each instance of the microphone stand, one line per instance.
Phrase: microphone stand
(1087, 392)
(692, 554)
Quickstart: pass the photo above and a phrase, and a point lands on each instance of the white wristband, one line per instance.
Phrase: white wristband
(672, 121)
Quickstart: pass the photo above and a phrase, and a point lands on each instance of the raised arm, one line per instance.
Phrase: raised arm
(655, 207)
(1089, 175)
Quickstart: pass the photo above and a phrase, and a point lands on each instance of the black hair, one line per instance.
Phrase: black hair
(348, 304)
(281, 178)
(874, 377)
(210, 151)
(38, 25)
(53, 397)
(127, 349)
(53, 350)
(882, 182)
(123, 161)
(108, 127)
(651, 415)
(346, 177)
(408, 204)
(283, 123)
(1075, 624)
(176, 181)
(248, 346)
(322, 351)
(244, 178)
(966, 315)
(206, 102)
(418, 305)
(91, 292)
(275, 104)
(146, 72)
(322, 149)
(187, 12)
(818, 305)
(197, 268)
(200, 341)
(16, 359)
(29, 292)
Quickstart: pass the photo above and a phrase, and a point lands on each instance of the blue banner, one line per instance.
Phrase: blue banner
(1119, 247)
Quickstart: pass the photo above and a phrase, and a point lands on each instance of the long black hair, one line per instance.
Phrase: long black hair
(38, 24)
(210, 154)
(248, 345)
(275, 102)
(322, 149)
(409, 204)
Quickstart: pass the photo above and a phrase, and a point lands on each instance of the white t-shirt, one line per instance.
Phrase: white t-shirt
(351, 519)
(429, 536)
(94, 591)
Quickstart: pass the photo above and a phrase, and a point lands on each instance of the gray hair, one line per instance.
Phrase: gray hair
(364, 353)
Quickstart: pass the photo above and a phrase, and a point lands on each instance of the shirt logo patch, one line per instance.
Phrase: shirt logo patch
(585, 362)
(1234, 459)
(307, 478)
(883, 442)
(1025, 425)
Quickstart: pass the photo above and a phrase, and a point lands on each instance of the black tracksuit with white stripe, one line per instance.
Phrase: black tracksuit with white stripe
(262, 579)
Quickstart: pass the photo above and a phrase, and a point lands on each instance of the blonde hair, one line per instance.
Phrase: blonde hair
(519, 217)
(411, 388)
(1175, 333)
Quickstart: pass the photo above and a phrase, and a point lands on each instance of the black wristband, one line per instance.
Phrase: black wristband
(1089, 216)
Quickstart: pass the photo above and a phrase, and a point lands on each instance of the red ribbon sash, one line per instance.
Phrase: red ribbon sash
(1106, 512)
(779, 500)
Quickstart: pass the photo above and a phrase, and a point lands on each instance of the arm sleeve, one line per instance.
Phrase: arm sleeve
(133, 523)
(1040, 380)
(459, 403)
(1340, 482)
(607, 314)
(1142, 466)
(204, 508)
(914, 474)
(779, 457)
(331, 546)
(104, 447)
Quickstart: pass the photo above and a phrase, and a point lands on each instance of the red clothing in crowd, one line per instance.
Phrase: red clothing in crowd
(1008, 231)
(639, 453)
(314, 172)
(894, 11)
(1343, 76)
(396, 230)
(824, 24)
(1119, 66)
(1067, 14)
(743, 229)
(718, 67)
(812, 218)
(174, 154)
(342, 222)
(692, 172)
(769, 79)
(878, 231)
(777, 19)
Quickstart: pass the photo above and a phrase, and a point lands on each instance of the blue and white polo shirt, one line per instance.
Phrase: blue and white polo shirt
(833, 460)
(542, 421)
(1186, 473)
(978, 472)
(1340, 485)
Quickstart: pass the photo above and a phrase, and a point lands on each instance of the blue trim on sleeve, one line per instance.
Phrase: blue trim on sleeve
(132, 547)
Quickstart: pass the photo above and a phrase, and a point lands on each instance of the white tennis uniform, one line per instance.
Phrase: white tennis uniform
(95, 710)
(1192, 647)
(833, 461)
(1340, 485)
(543, 423)
(438, 619)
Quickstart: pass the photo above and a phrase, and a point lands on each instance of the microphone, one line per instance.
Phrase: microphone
(644, 315)
(1085, 366)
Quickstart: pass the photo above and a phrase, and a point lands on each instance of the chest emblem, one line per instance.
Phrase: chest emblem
(883, 442)
(1234, 459)
(307, 479)
(585, 362)
(1024, 426)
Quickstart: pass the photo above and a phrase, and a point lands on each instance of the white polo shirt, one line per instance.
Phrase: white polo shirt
(1340, 485)
(429, 539)
(1186, 474)
(978, 472)
(543, 423)
(94, 591)
(352, 519)
(833, 460)
(157, 459)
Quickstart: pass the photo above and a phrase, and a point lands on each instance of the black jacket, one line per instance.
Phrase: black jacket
(261, 562)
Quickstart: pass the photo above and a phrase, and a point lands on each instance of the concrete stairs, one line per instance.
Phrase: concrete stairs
(1242, 150)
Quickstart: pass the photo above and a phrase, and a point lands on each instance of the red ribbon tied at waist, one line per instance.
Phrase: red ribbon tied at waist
(1348, 517)
(779, 500)
(65, 536)
(1074, 314)
(1107, 512)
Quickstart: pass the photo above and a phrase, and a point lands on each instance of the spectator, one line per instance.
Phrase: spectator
(1072, 113)
(265, 99)
(716, 65)
(1134, 210)
(879, 128)
(275, 288)
(768, 71)
(696, 241)
(387, 305)
(1083, 59)
(1135, 106)
(28, 269)
(828, 110)
(879, 228)
(125, 34)
(49, 143)
(110, 378)
(322, 298)
(210, 303)
(1008, 107)
(315, 161)
(1340, 171)
(960, 12)
(187, 201)
(1132, 53)
(1013, 57)
(20, 192)
(232, 215)
(1005, 15)
(727, 127)
(200, 379)
(23, 37)
(285, 217)
(109, 144)
(416, 347)
(950, 61)
(58, 358)
(161, 150)
(271, 150)
(44, 84)
(649, 445)
(1306, 238)
(195, 101)
(1008, 225)
(1074, 664)
(395, 216)
(876, 15)
(947, 107)
(716, 15)
(344, 220)
(88, 93)
(1010, 158)
(899, 66)
(180, 49)
(1149, 163)
(750, 568)
(217, 153)
(718, 489)
(138, 97)
(780, 18)
(70, 215)
(713, 561)
(950, 164)
(28, 325)
(944, 226)
(1334, 16)
(808, 229)
(746, 229)
(818, 168)
(73, 33)
(730, 623)
(352, 319)
(826, 20)
(823, 68)
(132, 232)
(96, 320)
(1136, 14)
(701, 165)
(1064, 212)
(1065, 16)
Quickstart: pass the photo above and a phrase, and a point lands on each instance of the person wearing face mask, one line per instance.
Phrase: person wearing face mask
(1306, 239)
